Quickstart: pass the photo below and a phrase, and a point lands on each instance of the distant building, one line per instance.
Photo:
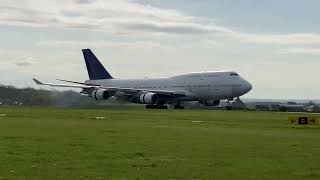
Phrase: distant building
(265, 106)
(275, 107)
(262, 107)
(291, 107)
(312, 108)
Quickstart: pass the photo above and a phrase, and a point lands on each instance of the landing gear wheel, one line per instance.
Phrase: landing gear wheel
(163, 107)
(152, 106)
(229, 106)
(148, 106)
(178, 107)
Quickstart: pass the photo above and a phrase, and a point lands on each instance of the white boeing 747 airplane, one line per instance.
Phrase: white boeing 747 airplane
(208, 88)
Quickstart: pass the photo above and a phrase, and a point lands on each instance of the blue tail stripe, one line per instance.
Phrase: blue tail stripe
(95, 68)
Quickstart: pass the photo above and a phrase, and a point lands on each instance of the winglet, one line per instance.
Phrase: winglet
(37, 81)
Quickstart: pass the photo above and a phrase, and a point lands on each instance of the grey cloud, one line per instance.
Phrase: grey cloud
(35, 18)
(127, 17)
(142, 18)
(71, 13)
(165, 28)
(302, 50)
(101, 44)
(170, 28)
(25, 61)
(85, 1)
(24, 16)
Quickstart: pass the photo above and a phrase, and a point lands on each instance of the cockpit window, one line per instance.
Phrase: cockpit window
(234, 74)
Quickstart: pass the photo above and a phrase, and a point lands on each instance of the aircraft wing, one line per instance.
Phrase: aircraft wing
(129, 91)
(63, 85)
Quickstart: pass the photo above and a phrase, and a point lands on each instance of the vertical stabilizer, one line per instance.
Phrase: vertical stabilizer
(95, 68)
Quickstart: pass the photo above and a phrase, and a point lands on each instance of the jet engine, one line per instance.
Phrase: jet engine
(100, 94)
(210, 102)
(149, 98)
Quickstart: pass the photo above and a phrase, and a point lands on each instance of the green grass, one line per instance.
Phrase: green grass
(53, 143)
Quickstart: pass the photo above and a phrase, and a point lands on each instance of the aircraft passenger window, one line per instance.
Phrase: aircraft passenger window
(234, 74)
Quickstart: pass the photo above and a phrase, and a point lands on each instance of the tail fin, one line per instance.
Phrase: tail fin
(95, 68)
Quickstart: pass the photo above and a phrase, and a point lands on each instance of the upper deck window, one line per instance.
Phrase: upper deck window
(234, 74)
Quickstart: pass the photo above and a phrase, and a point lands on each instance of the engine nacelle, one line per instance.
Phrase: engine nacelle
(101, 94)
(210, 102)
(149, 98)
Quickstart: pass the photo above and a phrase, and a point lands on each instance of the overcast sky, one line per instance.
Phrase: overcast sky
(274, 44)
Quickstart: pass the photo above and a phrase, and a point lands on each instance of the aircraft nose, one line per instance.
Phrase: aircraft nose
(247, 86)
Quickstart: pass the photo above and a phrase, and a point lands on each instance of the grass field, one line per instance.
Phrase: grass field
(53, 143)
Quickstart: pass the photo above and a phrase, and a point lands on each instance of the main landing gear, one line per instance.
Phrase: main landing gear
(152, 106)
(178, 107)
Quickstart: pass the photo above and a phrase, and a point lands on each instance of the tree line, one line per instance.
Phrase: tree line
(10, 95)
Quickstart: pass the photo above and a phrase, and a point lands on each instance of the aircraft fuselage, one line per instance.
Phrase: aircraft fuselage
(196, 86)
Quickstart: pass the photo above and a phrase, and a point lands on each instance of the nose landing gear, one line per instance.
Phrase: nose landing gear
(229, 106)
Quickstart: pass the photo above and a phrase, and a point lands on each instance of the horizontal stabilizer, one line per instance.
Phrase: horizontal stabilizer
(37, 81)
